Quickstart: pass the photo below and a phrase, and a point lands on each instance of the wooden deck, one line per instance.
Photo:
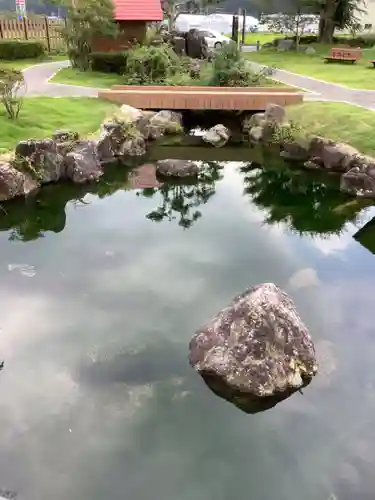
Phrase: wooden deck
(199, 98)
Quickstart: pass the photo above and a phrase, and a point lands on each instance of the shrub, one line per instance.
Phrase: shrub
(231, 69)
(151, 65)
(20, 49)
(363, 41)
(12, 84)
(108, 62)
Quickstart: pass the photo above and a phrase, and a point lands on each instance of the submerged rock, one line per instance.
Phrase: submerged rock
(82, 163)
(14, 183)
(256, 352)
(177, 168)
(218, 136)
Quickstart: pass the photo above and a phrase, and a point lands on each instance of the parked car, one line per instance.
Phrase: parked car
(214, 39)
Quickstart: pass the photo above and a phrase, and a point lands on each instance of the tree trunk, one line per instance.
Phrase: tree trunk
(326, 22)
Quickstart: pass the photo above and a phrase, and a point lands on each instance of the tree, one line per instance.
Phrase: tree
(174, 8)
(296, 23)
(337, 14)
(86, 20)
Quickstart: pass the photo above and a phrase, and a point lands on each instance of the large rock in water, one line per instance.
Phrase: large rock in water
(256, 352)
(218, 136)
(14, 183)
(82, 163)
(177, 168)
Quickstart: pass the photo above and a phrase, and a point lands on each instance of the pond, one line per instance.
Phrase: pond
(101, 289)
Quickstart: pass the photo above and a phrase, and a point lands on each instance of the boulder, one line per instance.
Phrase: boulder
(310, 50)
(256, 133)
(218, 136)
(275, 113)
(177, 168)
(148, 130)
(339, 157)
(285, 45)
(256, 352)
(110, 140)
(250, 121)
(169, 122)
(65, 136)
(128, 114)
(82, 163)
(295, 151)
(332, 156)
(360, 180)
(14, 183)
(133, 146)
(44, 157)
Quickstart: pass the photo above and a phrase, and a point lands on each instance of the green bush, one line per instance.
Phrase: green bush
(363, 41)
(151, 65)
(12, 86)
(21, 49)
(108, 62)
(231, 69)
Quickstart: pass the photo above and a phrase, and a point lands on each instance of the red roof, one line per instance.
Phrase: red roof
(138, 10)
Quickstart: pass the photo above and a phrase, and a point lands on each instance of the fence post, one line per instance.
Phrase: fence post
(47, 34)
(1, 29)
(25, 28)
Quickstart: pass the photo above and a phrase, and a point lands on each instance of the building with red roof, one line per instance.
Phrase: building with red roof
(132, 16)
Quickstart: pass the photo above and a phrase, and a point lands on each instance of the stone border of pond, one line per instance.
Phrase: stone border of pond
(129, 133)
(313, 152)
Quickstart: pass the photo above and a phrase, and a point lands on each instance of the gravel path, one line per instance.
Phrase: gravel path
(37, 85)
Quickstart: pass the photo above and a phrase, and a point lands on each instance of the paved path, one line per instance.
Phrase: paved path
(37, 84)
(319, 90)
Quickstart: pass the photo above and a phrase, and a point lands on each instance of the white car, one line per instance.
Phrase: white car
(214, 39)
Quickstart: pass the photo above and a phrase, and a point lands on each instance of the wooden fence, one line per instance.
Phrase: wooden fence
(36, 28)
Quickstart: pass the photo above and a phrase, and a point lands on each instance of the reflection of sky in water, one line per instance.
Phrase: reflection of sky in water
(98, 398)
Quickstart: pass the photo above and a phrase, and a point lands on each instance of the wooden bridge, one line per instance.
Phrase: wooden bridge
(200, 98)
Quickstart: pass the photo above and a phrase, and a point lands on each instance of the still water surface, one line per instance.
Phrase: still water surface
(99, 295)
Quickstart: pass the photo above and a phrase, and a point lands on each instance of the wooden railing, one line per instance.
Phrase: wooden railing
(35, 28)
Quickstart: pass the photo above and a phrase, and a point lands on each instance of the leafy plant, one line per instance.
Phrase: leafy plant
(151, 65)
(285, 132)
(12, 87)
(231, 69)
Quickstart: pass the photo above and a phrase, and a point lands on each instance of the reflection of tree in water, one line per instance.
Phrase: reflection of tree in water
(28, 219)
(308, 202)
(180, 200)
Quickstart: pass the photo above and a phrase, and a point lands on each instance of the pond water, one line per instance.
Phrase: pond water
(100, 292)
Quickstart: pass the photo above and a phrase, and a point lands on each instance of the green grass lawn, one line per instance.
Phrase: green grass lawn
(41, 116)
(337, 121)
(25, 63)
(99, 80)
(252, 38)
(359, 75)
(94, 79)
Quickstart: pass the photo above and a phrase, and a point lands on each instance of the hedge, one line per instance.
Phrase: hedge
(21, 49)
(364, 41)
(108, 62)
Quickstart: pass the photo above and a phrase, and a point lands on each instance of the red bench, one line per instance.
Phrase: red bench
(344, 55)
